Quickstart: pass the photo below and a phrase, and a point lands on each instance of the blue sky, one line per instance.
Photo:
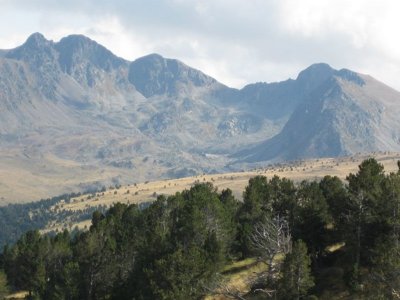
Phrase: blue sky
(235, 41)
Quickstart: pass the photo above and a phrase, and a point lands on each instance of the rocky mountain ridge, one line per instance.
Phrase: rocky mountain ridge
(75, 115)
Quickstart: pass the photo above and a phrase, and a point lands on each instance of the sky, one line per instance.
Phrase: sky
(235, 41)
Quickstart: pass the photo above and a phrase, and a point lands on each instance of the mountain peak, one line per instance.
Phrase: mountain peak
(316, 71)
(319, 72)
(35, 50)
(76, 48)
(155, 75)
(36, 41)
(77, 41)
(36, 37)
(153, 56)
(314, 76)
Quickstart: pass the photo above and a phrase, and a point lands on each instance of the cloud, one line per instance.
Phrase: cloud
(235, 41)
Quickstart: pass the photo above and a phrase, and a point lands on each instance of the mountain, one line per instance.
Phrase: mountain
(154, 75)
(74, 116)
(344, 113)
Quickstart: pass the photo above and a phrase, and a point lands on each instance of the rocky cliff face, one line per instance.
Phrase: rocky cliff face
(74, 109)
(345, 113)
(154, 75)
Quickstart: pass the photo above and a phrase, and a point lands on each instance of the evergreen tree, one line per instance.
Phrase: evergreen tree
(390, 208)
(256, 204)
(4, 289)
(231, 206)
(334, 191)
(384, 279)
(312, 218)
(296, 277)
(283, 198)
(57, 258)
(25, 263)
(185, 241)
(363, 219)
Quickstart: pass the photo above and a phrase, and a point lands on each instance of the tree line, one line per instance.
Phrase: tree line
(16, 219)
(176, 247)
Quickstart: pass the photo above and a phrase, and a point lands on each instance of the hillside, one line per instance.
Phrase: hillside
(146, 192)
(75, 117)
(346, 114)
(321, 239)
(73, 210)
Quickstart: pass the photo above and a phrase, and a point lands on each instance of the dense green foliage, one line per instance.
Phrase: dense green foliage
(296, 276)
(3, 285)
(16, 219)
(168, 251)
(176, 247)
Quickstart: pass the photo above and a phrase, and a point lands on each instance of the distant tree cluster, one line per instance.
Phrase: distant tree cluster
(176, 247)
(16, 219)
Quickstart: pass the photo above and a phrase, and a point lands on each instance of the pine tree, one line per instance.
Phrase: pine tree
(384, 278)
(296, 273)
(363, 216)
(256, 205)
(312, 218)
(3, 285)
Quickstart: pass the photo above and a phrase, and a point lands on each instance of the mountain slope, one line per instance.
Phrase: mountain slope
(75, 116)
(347, 113)
(71, 119)
(155, 75)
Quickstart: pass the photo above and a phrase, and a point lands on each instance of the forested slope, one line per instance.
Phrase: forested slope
(321, 238)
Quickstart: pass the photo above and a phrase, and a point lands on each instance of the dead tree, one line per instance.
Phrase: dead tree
(269, 238)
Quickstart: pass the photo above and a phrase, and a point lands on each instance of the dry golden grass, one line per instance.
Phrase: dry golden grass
(297, 171)
(26, 180)
(17, 295)
(49, 175)
(239, 280)
(335, 247)
(239, 273)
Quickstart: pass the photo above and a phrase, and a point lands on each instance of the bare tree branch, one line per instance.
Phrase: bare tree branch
(269, 238)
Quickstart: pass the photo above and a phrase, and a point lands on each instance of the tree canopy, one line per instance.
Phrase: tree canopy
(177, 247)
